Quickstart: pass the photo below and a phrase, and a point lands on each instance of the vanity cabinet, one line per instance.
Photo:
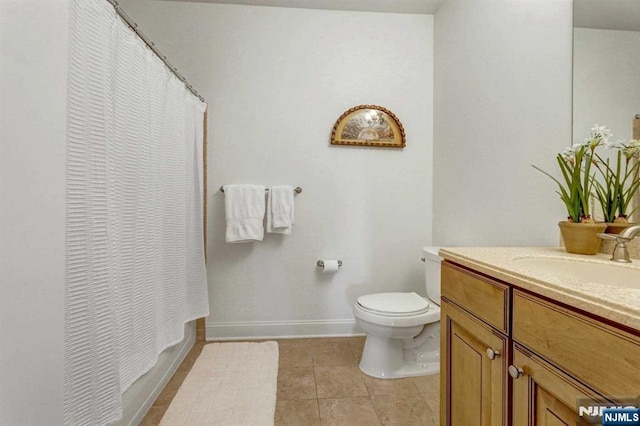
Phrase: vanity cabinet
(476, 386)
(474, 349)
(510, 357)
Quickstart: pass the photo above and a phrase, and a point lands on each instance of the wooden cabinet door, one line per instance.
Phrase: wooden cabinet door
(544, 395)
(475, 386)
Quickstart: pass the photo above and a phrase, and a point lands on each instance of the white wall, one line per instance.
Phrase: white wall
(276, 80)
(502, 102)
(33, 72)
(606, 81)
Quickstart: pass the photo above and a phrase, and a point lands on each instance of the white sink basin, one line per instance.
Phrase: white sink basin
(588, 271)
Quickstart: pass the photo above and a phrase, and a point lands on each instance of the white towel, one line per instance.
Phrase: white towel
(280, 210)
(244, 210)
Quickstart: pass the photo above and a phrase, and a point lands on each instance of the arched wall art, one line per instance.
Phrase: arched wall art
(368, 125)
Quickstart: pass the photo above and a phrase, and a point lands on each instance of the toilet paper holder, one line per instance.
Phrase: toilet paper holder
(320, 263)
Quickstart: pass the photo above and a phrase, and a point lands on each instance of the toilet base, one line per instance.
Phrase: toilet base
(384, 358)
(407, 370)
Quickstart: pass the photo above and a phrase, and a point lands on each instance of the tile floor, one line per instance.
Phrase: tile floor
(319, 383)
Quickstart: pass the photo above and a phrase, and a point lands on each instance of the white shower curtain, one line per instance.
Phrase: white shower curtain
(135, 269)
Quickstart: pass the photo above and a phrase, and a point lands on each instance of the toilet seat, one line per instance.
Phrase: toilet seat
(396, 309)
(393, 304)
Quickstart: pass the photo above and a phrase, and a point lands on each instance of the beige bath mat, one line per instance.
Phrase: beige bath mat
(229, 384)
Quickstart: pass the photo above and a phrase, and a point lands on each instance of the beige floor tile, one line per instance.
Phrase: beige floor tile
(332, 354)
(389, 386)
(296, 383)
(312, 341)
(153, 417)
(320, 340)
(339, 382)
(297, 412)
(428, 385)
(191, 357)
(327, 368)
(347, 412)
(354, 340)
(170, 390)
(403, 410)
(292, 354)
(357, 346)
(434, 404)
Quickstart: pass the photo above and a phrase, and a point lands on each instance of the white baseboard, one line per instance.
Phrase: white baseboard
(281, 329)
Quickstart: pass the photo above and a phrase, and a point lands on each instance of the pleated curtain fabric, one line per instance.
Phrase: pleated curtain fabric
(135, 271)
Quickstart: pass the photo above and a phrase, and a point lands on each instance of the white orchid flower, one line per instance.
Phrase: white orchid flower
(599, 135)
(601, 131)
(630, 150)
(569, 155)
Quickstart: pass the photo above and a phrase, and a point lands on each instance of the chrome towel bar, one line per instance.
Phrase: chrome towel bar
(297, 189)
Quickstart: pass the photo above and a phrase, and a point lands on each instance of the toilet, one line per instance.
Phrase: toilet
(403, 329)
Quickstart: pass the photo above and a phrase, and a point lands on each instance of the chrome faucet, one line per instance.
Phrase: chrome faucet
(621, 252)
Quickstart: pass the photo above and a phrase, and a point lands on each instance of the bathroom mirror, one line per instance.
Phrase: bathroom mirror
(606, 66)
(606, 69)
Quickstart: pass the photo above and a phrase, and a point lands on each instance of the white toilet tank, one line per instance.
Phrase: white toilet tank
(432, 273)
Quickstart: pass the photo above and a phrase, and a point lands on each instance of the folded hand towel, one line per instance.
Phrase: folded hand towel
(244, 210)
(280, 210)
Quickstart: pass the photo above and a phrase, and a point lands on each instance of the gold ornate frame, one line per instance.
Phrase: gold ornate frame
(369, 125)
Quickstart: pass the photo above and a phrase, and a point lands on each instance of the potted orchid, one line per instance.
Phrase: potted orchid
(578, 179)
(620, 182)
(579, 165)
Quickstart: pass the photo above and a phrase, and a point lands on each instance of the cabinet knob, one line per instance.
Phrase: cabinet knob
(423, 259)
(492, 354)
(515, 372)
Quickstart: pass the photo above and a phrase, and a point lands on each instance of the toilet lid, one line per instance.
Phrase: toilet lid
(400, 304)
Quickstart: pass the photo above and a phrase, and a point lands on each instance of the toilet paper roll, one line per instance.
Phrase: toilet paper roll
(330, 266)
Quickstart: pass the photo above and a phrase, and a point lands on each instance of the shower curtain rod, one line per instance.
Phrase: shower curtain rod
(153, 47)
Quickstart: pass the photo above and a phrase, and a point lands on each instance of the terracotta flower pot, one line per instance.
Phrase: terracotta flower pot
(616, 228)
(581, 238)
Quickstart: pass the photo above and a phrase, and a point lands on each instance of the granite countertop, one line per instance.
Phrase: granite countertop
(617, 304)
